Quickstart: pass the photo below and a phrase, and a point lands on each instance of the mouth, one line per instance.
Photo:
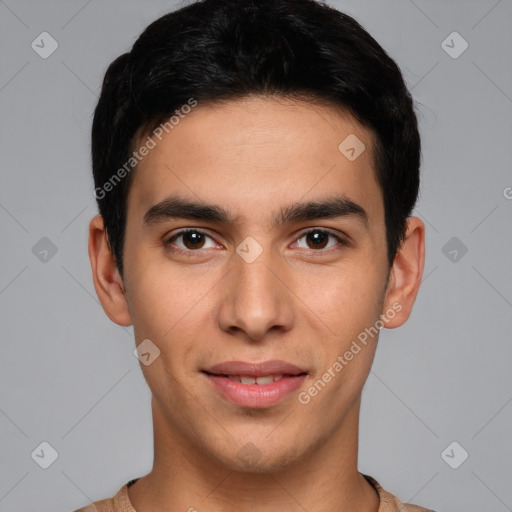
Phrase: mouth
(274, 368)
(247, 379)
(255, 385)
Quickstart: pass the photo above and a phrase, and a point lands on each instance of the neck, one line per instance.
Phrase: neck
(185, 478)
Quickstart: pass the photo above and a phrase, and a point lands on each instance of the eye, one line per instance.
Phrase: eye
(191, 241)
(318, 239)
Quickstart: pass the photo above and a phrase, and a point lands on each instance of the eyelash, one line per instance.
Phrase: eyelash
(191, 253)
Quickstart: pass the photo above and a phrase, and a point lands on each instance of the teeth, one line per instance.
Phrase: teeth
(267, 379)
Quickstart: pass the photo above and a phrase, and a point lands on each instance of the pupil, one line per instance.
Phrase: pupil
(319, 239)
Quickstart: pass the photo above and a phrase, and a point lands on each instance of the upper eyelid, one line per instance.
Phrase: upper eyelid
(187, 230)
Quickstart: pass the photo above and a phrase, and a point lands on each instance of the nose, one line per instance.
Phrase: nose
(256, 297)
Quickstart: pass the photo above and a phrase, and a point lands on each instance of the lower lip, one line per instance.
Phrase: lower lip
(256, 396)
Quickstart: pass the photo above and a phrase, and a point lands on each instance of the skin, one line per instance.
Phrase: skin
(295, 302)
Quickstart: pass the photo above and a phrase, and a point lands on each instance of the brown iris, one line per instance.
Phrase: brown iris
(193, 239)
(319, 239)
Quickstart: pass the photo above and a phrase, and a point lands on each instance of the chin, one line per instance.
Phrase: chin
(261, 457)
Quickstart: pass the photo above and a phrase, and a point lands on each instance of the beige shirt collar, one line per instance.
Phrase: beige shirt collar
(121, 501)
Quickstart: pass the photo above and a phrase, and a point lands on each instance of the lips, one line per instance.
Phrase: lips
(254, 370)
(255, 385)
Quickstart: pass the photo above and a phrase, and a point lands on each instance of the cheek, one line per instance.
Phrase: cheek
(346, 299)
(349, 307)
(162, 295)
(170, 306)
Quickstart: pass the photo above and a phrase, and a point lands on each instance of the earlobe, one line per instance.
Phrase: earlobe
(405, 276)
(107, 280)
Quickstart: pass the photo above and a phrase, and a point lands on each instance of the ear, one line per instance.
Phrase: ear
(405, 276)
(107, 280)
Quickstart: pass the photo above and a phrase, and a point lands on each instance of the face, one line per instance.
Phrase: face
(274, 272)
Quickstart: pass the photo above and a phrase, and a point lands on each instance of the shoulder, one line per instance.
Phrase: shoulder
(390, 503)
(106, 505)
(396, 505)
(408, 507)
(415, 508)
(119, 503)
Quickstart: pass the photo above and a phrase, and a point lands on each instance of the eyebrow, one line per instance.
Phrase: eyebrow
(175, 207)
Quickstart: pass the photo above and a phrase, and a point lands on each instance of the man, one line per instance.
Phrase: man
(256, 164)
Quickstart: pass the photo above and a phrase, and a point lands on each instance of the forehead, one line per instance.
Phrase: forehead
(255, 154)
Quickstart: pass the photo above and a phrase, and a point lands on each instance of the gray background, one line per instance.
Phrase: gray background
(68, 374)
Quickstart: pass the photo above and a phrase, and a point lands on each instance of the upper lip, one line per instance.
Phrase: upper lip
(272, 367)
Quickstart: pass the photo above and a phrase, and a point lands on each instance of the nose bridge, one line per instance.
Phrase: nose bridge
(255, 279)
(255, 300)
